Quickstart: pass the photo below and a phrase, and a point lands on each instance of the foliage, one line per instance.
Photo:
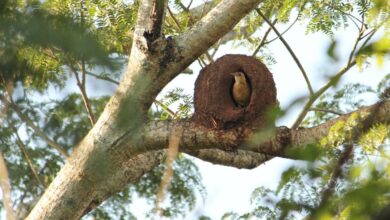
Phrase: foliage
(46, 45)
(42, 42)
(360, 191)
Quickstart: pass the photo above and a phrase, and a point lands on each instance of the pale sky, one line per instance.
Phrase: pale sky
(229, 189)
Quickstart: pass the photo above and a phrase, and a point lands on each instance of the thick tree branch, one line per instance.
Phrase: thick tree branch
(155, 25)
(234, 158)
(210, 28)
(196, 138)
(99, 166)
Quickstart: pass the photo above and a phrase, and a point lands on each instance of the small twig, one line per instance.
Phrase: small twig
(172, 151)
(37, 131)
(211, 60)
(5, 184)
(105, 78)
(180, 28)
(262, 43)
(289, 50)
(201, 62)
(325, 110)
(22, 147)
(165, 108)
(189, 5)
(335, 79)
(108, 79)
(351, 16)
(216, 48)
(174, 18)
(359, 37)
(316, 95)
(81, 85)
(369, 33)
(336, 174)
(284, 32)
(81, 82)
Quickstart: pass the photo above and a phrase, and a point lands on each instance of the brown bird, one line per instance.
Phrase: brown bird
(241, 90)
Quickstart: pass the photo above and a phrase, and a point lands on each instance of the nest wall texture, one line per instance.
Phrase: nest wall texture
(214, 104)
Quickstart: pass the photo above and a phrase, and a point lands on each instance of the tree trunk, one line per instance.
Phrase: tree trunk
(123, 145)
(114, 153)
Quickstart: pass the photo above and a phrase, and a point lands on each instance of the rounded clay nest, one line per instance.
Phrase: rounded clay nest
(214, 104)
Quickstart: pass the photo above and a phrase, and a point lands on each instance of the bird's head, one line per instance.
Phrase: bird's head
(239, 76)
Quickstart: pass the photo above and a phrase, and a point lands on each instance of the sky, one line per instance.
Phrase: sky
(229, 189)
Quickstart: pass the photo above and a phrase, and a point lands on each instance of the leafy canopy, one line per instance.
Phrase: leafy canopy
(45, 46)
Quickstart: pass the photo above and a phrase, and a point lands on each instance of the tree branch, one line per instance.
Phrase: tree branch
(195, 138)
(210, 29)
(263, 40)
(154, 27)
(234, 158)
(84, 96)
(336, 174)
(350, 63)
(321, 91)
(325, 110)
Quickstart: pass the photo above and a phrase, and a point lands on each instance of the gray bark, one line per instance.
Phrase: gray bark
(99, 165)
(122, 145)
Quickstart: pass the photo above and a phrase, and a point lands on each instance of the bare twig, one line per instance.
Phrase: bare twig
(358, 38)
(316, 95)
(172, 151)
(37, 131)
(209, 57)
(262, 43)
(22, 147)
(81, 82)
(284, 32)
(84, 96)
(289, 50)
(216, 47)
(326, 110)
(105, 78)
(165, 108)
(350, 63)
(189, 5)
(6, 188)
(162, 105)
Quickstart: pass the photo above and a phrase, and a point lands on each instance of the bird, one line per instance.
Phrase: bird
(241, 91)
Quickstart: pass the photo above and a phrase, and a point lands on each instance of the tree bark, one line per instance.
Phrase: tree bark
(122, 145)
(114, 153)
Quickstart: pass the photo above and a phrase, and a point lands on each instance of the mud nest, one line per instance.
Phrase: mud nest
(214, 104)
